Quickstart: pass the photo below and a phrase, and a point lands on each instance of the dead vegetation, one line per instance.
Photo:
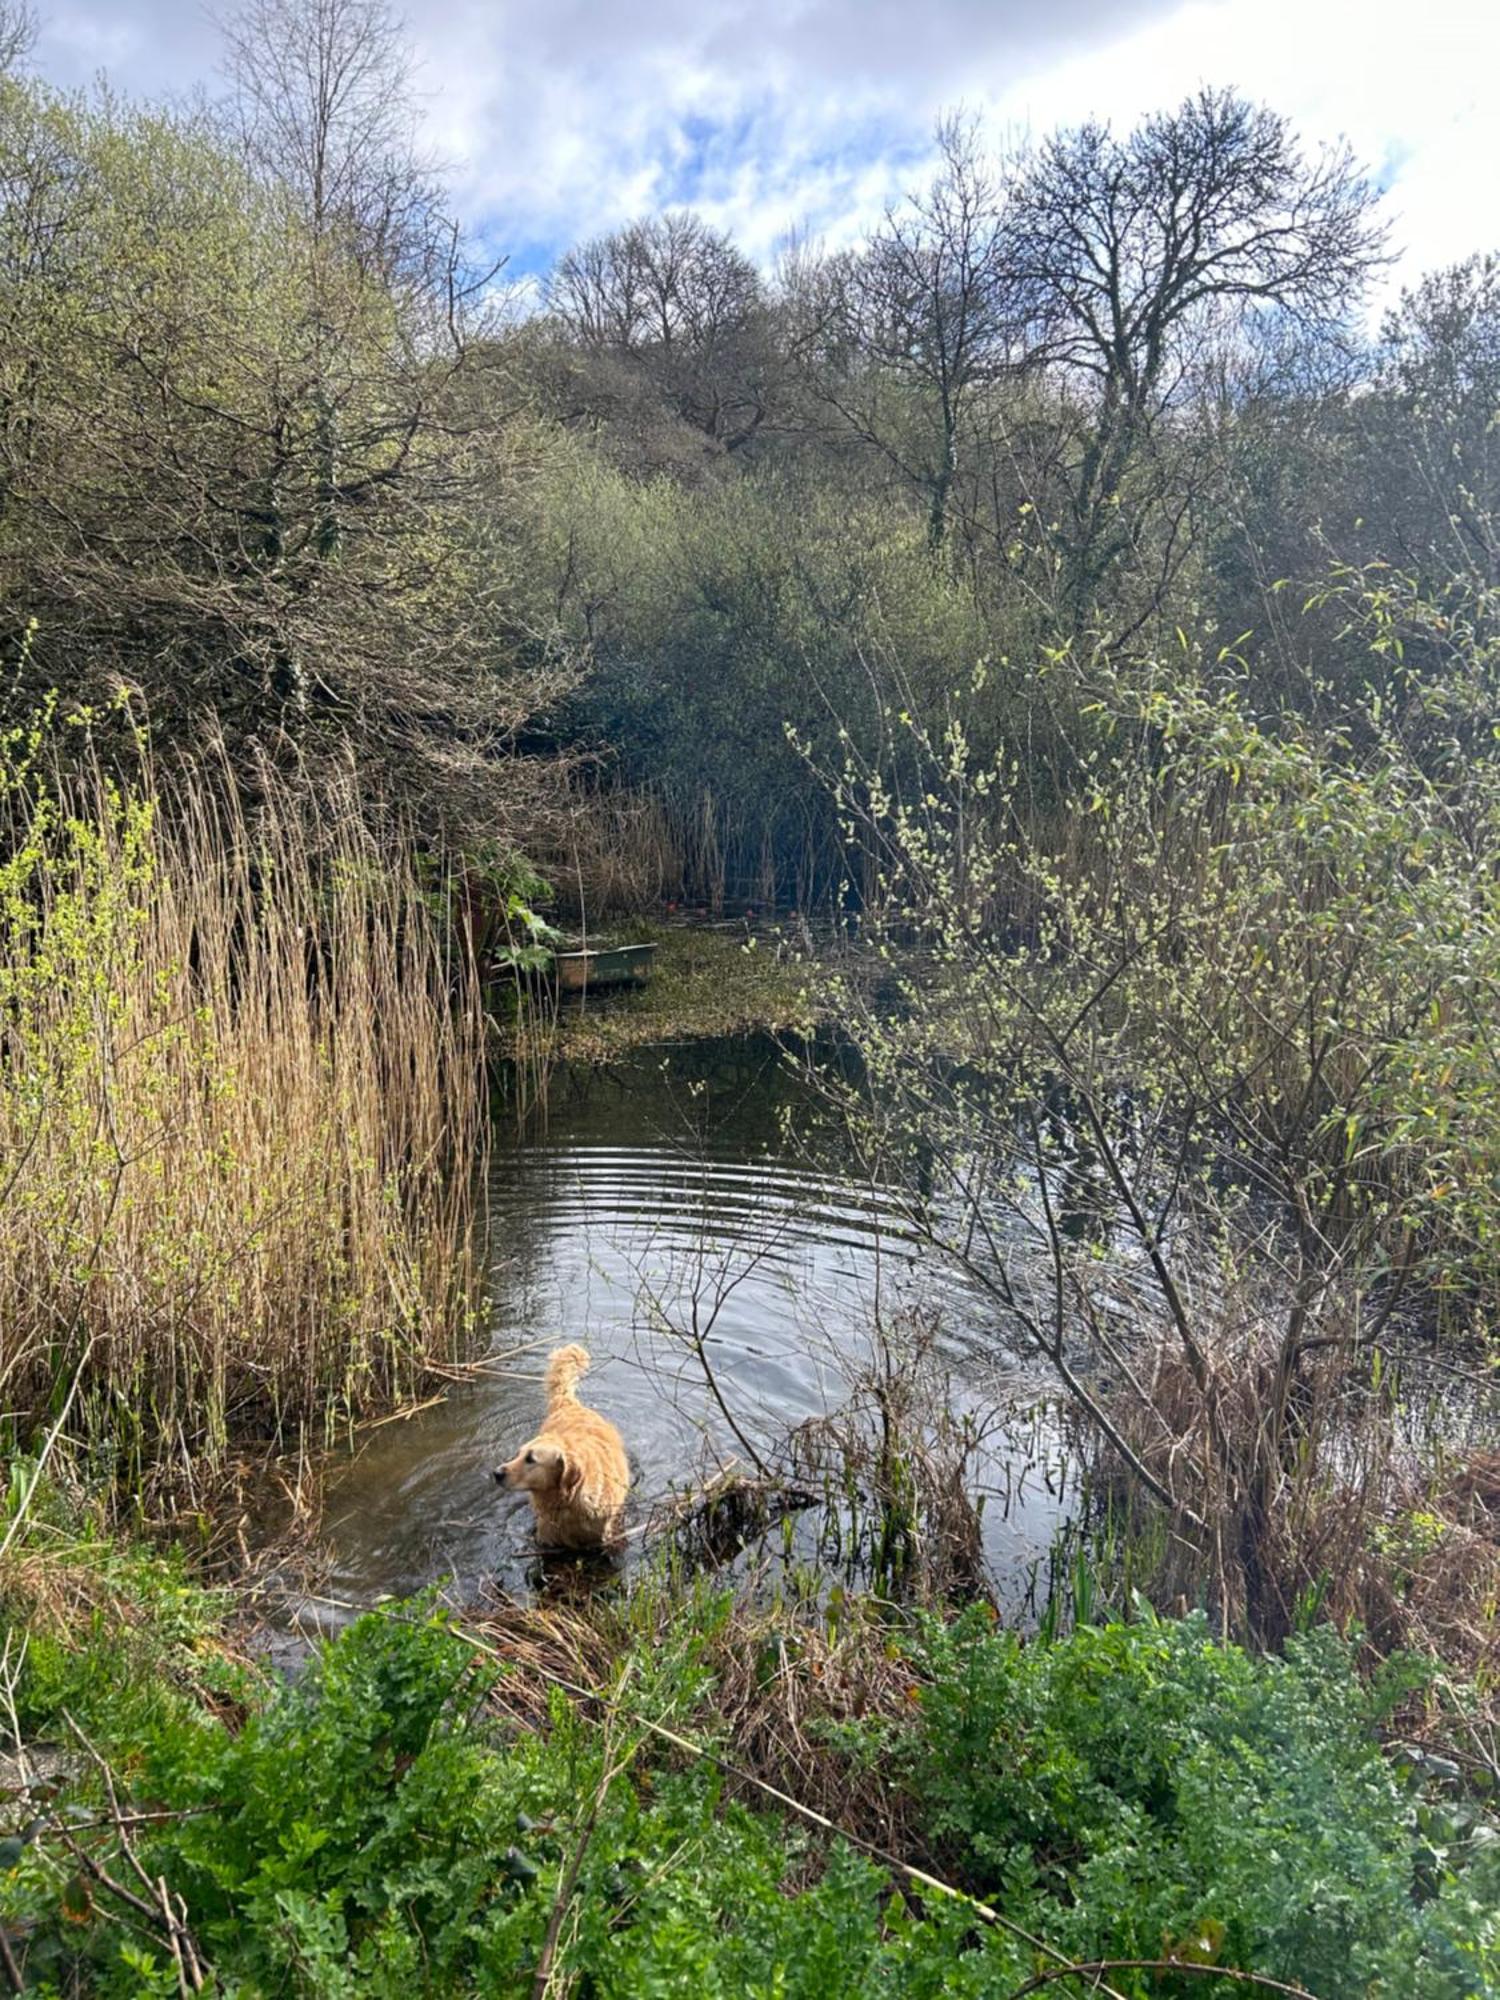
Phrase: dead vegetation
(240, 1108)
(781, 1685)
(1342, 1510)
(710, 1527)
(895, 1465)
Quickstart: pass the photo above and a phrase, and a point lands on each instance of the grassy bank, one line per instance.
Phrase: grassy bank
(661, 1794)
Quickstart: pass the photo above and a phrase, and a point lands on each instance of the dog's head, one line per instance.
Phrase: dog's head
(540, 1467)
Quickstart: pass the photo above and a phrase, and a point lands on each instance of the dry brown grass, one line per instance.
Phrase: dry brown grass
(617, 853)
(780, 1686)
(241, 1107)
(621, 850)
(1357, 1520)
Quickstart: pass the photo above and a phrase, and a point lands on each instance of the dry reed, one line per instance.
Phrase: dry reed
(1361, 1522)
(780, 1683)
(242, 1105)
(629, 849)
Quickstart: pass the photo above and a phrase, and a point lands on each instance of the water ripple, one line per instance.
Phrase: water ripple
(602, 1233)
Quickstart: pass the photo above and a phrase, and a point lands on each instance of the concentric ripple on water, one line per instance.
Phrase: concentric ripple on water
(649, 1215)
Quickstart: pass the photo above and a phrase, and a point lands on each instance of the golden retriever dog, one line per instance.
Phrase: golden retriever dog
(574, 1471)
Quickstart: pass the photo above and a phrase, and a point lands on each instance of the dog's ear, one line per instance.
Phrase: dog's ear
(572, 1478)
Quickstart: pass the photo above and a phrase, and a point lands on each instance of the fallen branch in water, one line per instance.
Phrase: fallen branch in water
(712, 1524)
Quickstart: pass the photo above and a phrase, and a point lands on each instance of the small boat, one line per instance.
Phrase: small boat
(616, 965)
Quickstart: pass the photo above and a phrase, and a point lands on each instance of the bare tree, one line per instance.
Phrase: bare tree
(322, 98)
(676, 300)
(1133, 253)
(245, 476)
(930, 311)
(18, 29)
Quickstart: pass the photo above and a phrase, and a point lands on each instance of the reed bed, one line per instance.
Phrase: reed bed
(620, 854)
(1366, 1519)
(630, 849)
(242, 1112)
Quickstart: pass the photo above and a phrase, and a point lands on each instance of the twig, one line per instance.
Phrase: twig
(123, 1819)
(1096, 1968)
(166, 1911)
(174, 1910)
(8, 1963)
(23, 1506)
(568, 1881)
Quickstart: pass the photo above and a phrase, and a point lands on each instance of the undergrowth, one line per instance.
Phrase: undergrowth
(399, 1822)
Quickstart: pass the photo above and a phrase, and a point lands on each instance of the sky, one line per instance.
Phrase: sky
(557, 119)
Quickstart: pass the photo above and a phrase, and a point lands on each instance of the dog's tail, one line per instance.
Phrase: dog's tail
(564, 1366)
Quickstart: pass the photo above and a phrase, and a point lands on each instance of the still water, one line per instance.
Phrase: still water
(707, 1180)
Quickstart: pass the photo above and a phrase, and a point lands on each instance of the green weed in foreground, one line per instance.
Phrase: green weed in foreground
(376, 1830)
(1140, 1784)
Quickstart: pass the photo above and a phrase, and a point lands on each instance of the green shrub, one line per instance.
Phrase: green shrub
(365, 1833)
(375, 1829)
(1139, 1787)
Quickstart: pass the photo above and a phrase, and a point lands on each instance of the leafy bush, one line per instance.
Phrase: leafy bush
(1141, 1787)
(365, 1833)
(376, 1829)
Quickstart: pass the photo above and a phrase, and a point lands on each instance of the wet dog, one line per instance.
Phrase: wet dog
(574, 1471)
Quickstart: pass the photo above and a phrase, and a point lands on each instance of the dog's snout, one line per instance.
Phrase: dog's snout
(499, 1475)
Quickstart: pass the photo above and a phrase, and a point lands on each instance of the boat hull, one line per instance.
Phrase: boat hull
(582, 971)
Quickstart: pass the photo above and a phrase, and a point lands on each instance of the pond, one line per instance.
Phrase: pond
(707, 1179)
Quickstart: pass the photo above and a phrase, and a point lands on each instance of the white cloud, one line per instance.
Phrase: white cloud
(141, 46)
(563, 117)
(769, 116)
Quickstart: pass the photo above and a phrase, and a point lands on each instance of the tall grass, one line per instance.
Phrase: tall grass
(629, 849)
(620, 853)
(242, 1106)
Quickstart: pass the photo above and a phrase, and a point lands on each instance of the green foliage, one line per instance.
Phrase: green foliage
(1232, 1017)
(717, 618)
(376, 1828)
(483, 898)
(369, 1834)
(1136, 1785)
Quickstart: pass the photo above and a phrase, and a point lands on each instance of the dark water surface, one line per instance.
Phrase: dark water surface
(705, 1178)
